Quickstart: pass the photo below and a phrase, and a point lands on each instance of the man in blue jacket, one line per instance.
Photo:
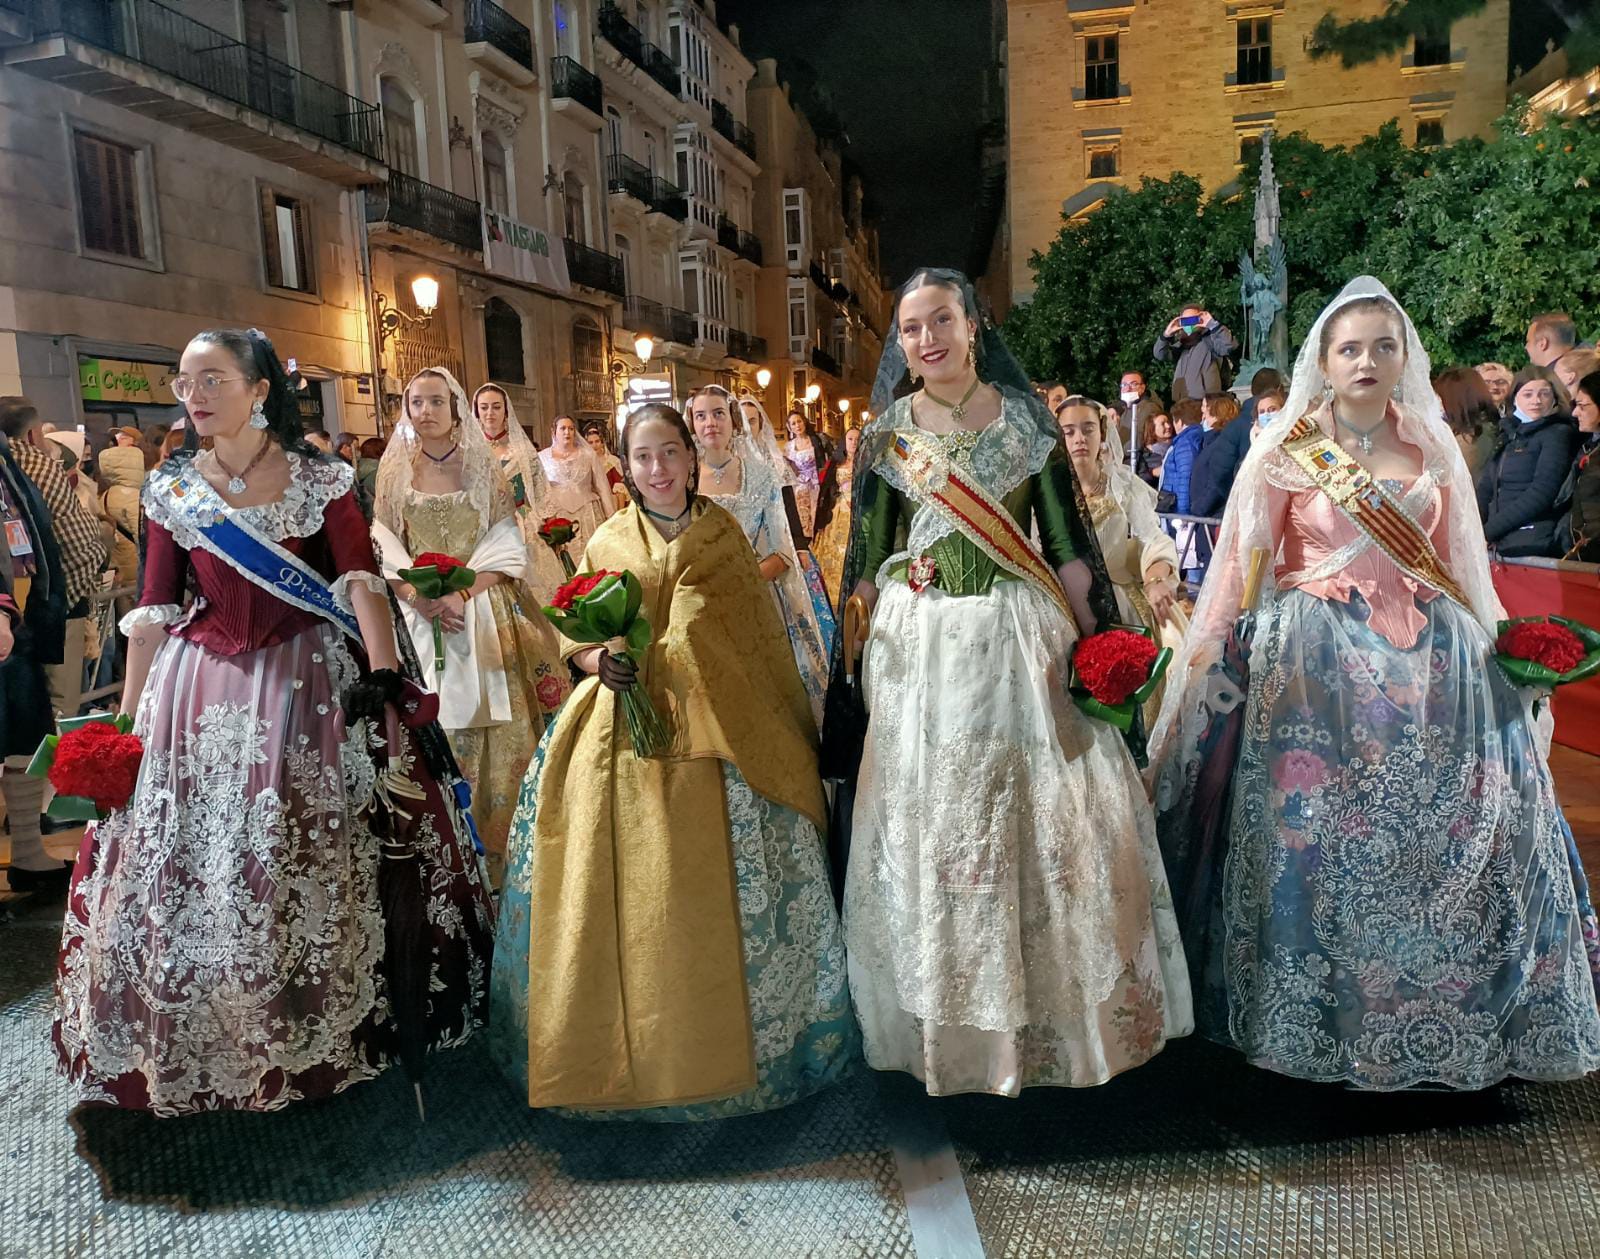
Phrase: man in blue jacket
(1217, 462)
(1193, 544)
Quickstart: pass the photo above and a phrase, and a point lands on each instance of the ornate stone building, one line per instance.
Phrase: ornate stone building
(1100, 93)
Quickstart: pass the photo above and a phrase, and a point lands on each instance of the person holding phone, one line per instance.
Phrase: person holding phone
(1199, 344)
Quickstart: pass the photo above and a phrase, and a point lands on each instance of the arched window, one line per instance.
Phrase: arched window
(625, 252)
(576, 221)
(400, 128)
(502, 339)
(496, 181)
(588, 347)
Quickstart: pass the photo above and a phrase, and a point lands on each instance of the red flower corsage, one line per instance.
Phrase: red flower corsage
(921, 573)
(445, 564)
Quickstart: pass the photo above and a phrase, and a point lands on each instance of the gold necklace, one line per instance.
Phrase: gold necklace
(958, 411)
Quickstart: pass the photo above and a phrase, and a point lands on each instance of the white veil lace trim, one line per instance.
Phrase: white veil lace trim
(1247, 524)
(763, 445)
(481, 477)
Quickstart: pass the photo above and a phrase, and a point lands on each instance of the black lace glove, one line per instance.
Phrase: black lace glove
(367, 698)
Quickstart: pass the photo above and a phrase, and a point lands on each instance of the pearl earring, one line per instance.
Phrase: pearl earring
(258, 414)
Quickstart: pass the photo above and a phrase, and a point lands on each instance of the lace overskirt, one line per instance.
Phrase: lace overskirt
(224, 940)
(1401, 899)
(1006, 912)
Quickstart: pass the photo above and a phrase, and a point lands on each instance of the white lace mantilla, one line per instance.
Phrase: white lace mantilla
(313, 484)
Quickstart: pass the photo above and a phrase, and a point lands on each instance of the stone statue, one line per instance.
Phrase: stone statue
(1264, 281)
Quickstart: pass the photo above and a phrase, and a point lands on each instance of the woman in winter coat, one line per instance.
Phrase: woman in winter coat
(1518, 489)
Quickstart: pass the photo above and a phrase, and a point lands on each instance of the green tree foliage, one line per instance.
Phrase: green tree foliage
(1474, 238)
(1357, 41)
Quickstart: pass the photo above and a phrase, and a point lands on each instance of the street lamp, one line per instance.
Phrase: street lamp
(763, 377)
(425, 295)
(844, 408)
(813, 393)
(644, 347)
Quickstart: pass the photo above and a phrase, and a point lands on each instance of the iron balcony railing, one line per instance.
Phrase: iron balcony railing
(629, 40)
(727, 233)
(625, 175)
(746, 346)
(571, 81)
(164, 39)
(749, 247)
(731, 129)
(684, 328)
(642, 315)
(595, 268)
(667, 198)
(488, 23)
(442, 214)
(824, 362)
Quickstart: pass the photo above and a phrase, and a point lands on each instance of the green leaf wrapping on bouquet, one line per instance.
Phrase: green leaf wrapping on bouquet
(72, 808)
(430, 583)
(1532, 674)
(1157, 672)
(1118, 715)
(639, 636)
(1121, 715)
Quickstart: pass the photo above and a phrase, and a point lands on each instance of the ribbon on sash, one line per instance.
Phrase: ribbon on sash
(257, 558)
(1362, 499)
(966, 506)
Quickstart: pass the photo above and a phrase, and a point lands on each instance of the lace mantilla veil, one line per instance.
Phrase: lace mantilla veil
(763, 445)
(1246, 525)
(481, 477)
(524, 454)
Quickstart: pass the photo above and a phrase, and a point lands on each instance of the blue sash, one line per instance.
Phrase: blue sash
(256, 558)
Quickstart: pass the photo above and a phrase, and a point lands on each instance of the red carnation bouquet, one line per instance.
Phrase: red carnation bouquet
(435, 575)
(1115, 671)
(603, 608)
(93, 763)
(1547, 652)
(557, 531)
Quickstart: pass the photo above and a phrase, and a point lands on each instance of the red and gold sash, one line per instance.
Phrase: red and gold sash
(936, 482)
(1366, 504)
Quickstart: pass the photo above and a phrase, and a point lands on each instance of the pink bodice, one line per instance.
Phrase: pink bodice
(1323, 553)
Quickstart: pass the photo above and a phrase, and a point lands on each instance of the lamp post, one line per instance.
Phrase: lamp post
(643, 348)
(390, 319)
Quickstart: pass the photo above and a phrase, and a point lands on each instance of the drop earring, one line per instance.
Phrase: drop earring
(258, 415)
(972, 353)
(912, 372)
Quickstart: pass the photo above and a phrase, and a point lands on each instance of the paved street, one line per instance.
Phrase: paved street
(1194, 1155)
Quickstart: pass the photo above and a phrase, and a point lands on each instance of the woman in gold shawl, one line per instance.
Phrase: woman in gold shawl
(668, 946)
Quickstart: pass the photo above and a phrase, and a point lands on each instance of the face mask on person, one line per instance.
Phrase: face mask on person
(1130, 396)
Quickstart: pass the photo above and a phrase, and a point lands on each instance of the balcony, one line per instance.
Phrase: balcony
(749, 247)
(594, 392)
(627, 39)
(727, 233)
(736, 133)
(667, 198)
(411, 204)
(576, 91)
(682, 326)
(628, 178)
(153, 60)
(644, 317)
(746, 346)
(713, 333)
(825, 362)
(595, 269)
(498, 42)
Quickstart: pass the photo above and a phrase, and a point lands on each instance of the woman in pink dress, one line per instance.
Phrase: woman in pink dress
(1397, 900)
(224, 944)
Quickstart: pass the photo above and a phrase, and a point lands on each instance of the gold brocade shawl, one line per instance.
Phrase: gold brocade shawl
(636, 958)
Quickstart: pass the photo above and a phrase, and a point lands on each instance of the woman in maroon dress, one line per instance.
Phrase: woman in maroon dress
(224, 945)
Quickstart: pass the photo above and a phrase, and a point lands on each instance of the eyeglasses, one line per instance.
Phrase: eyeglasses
(184, 387)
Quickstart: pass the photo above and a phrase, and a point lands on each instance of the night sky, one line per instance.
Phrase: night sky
(905, 77)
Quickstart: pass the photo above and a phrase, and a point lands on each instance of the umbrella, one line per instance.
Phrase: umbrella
(1211, 804)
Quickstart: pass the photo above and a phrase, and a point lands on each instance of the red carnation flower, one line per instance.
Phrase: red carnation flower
(1554, 646)
(446, 564)
(97, 762)
(557, 522)
(1115, 664)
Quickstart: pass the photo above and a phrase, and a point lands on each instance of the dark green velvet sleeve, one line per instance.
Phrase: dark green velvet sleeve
(878, 523)
(1060, 526)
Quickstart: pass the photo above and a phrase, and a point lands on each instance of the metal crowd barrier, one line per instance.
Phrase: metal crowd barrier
(110, 667)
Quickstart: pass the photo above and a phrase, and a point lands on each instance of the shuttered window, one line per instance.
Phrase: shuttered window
(286, 242)
(109, 196)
